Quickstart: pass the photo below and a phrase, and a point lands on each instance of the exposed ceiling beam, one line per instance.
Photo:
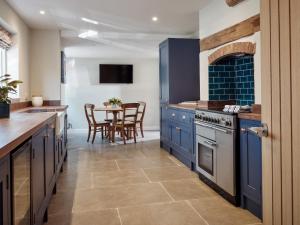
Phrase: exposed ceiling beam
(232, 3)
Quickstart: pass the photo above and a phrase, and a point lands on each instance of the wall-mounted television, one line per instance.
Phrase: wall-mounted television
(116, 74)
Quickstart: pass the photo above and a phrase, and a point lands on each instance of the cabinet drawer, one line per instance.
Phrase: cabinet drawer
(173, 114)
(185, 117)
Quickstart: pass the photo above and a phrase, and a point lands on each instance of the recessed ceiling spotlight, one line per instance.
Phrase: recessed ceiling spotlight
(154, 18)
(87, 34)
(42, 12)
(89, 20)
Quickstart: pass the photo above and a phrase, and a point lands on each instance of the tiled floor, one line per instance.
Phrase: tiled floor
(138, 184)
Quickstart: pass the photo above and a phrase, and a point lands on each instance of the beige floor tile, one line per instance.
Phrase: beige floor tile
(216, 211)
(119, 196)
(92, 166)
(169, 173)
(102, 217)
(145, 163)
(121, 177)
(77, 181)
(188, 189)
(177, 213)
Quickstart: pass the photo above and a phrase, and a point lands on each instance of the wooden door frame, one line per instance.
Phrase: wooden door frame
(280, 109)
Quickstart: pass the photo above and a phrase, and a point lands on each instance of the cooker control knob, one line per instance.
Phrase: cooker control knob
(228, 123)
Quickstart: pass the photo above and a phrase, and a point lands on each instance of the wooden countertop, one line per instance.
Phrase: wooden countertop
(22, 125)
(250, 116)
(246, 116)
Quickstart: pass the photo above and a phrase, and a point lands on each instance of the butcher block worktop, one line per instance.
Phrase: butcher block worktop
(22, 125)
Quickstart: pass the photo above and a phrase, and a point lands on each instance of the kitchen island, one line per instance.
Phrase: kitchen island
(32, 152)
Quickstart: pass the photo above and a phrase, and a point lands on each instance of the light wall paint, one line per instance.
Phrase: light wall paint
(83, 87)
(18, 56)
(217, 16)
(45, 64)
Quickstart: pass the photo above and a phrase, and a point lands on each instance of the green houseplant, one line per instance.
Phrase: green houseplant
(7, 86)
(114, 102)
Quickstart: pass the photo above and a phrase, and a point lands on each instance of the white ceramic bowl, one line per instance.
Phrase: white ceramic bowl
(37, 101)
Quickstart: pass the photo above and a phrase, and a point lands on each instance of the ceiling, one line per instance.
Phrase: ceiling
(123, 24)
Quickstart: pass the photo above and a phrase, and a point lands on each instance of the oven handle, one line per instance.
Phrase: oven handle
(210, 143)
(213, 127)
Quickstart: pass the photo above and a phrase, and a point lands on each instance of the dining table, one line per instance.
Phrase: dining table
(114, 111)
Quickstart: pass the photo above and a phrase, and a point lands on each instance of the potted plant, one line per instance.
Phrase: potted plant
(7, 86)
(114, 102)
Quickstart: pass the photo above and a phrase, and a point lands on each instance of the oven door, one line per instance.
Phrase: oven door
(206, 158)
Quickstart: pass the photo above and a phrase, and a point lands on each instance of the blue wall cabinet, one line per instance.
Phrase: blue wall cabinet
(251, 168)
(179, 81)
(179, 70)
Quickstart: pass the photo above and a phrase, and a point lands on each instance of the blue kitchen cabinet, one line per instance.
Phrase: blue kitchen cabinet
(179, 70)
(179, 81)
(251, 168)
(178, 134)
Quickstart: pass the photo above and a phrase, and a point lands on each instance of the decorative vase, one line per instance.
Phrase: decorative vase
(37, 101)
(114, 106)
(4, 110)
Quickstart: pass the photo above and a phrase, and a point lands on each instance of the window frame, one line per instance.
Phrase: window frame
(3, 61)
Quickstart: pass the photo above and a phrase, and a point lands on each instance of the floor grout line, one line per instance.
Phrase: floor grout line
(193, 208)
(163, 187)
(144, 173)
(117, 165)
(174, 161)
(119, 216)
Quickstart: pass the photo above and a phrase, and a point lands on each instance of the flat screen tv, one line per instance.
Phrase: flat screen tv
(116, 74)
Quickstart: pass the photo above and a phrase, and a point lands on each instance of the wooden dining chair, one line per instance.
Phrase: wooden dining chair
(128, 123)
(94, 126)
(140, 117)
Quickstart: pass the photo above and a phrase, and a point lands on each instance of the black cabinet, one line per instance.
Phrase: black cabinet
(38, 175)
(251, 168)
(50, 168)
(5, 209)
(179, 70)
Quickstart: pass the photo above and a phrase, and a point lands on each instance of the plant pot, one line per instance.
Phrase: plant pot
(114, 106)
(4, 110)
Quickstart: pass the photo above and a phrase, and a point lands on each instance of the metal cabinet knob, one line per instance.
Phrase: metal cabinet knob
(183, 117)
(243, 130)
(173, 114)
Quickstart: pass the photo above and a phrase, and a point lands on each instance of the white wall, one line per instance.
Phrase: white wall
(83, 87)
(45, 64)
(18, 55)
(217, 16)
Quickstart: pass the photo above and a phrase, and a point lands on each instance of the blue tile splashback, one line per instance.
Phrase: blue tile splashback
(232, 78)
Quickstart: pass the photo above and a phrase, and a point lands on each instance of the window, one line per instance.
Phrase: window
(2, 61)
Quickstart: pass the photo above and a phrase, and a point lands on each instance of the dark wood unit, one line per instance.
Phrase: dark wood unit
(179, 70)
(38, 175)
(251, 168)
(50, 158)
(5, 213)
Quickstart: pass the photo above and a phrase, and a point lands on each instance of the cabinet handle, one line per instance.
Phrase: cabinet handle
(173, 114)
(243, 130)
(7, 182)
(183, 117)
(178, 129)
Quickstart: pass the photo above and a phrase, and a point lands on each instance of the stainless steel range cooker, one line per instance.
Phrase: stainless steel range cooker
(216, 151)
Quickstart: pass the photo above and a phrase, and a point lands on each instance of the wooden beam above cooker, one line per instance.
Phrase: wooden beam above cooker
(232, 3)
(243, 29)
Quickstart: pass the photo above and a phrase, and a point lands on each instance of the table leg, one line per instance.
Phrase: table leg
(114, 122)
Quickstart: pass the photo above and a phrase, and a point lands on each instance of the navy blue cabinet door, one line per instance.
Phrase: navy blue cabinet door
(164, 130)
(5, 192)
(251, 168)
(164, 73)
(179, 70)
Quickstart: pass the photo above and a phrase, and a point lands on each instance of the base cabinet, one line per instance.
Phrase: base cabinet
(251, 168)
(177, 134)
(5, 213)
